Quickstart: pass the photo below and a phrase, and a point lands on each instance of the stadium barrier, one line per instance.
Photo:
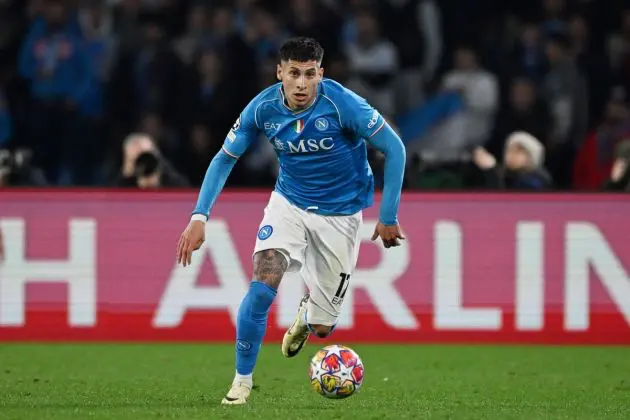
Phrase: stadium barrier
(491, 268)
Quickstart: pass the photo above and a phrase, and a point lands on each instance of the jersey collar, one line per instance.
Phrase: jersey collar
(283, 99)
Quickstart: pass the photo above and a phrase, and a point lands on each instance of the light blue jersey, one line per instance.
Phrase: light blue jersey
(322, 150)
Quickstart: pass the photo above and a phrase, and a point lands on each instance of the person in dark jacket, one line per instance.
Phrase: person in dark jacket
(54, 63)
(16, 170)
(144, 166)
(522, 168)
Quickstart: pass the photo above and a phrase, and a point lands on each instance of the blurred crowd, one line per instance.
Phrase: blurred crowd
(489, 94)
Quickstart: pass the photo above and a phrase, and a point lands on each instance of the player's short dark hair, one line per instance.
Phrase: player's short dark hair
(301, 49)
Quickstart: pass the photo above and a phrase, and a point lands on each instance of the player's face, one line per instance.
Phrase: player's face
(299, 81)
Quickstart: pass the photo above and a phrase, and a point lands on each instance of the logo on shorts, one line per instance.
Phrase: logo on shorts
(265, 232)
(321, 124)
(242, 345)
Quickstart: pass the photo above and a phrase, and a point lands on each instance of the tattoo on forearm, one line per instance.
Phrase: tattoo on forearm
(269, 267)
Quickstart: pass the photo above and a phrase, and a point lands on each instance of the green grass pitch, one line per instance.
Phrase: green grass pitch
(186, 381)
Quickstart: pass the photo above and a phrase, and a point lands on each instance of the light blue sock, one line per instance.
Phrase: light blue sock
(251, 325)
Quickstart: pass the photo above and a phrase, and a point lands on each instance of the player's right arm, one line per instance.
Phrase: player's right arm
(243, 133)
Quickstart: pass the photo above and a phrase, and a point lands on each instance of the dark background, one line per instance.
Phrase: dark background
(77, 77)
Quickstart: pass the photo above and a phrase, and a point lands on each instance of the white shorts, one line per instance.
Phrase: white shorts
(324, 249)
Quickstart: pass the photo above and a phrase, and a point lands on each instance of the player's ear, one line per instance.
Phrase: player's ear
(321, 73)
(279, 72)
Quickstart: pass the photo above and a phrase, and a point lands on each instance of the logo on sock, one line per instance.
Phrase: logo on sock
(242, 345)
(265, 232)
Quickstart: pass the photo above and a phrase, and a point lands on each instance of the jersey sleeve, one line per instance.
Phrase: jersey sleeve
(358, 116)
(243, 133)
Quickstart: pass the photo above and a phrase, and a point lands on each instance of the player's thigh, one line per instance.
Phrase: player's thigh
(330, 258)
(280, 242)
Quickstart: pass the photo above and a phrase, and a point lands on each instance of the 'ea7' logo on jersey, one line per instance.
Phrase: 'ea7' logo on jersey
(272, 126)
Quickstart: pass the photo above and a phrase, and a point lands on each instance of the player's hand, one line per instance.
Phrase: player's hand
(191, 240)
(390, 234)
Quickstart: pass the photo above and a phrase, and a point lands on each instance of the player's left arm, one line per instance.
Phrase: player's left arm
(366, 122)
(387, 141)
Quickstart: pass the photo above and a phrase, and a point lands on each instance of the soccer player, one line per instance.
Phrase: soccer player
(319, 130)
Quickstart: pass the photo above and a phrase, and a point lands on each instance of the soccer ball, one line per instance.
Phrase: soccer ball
(336, 372)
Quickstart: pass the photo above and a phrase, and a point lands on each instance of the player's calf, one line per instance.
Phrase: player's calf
(269, 267)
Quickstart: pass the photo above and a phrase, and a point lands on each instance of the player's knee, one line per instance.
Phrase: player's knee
(322, 331)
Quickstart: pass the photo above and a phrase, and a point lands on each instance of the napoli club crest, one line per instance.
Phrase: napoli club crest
(321, 124)
(265, 232)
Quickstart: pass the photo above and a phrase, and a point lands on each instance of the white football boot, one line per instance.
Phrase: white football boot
(298, 333)
(238, 394)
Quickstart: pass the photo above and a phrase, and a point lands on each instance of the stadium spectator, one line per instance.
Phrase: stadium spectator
(83, 156)
(127, 25)
(196, 37)
(54, 62)
(373, 62)
(553, 21)
(146, 78)
(183, 70)
(16, 170)
(595, 158)
(238, 56)
(592, 63)
(480, 91)
(527, 57)
(564, 89)
(525, 111)
(522, 168)
(414, 27)
(207, 95)
(618, 49)
(147, 172)
(164, 136)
